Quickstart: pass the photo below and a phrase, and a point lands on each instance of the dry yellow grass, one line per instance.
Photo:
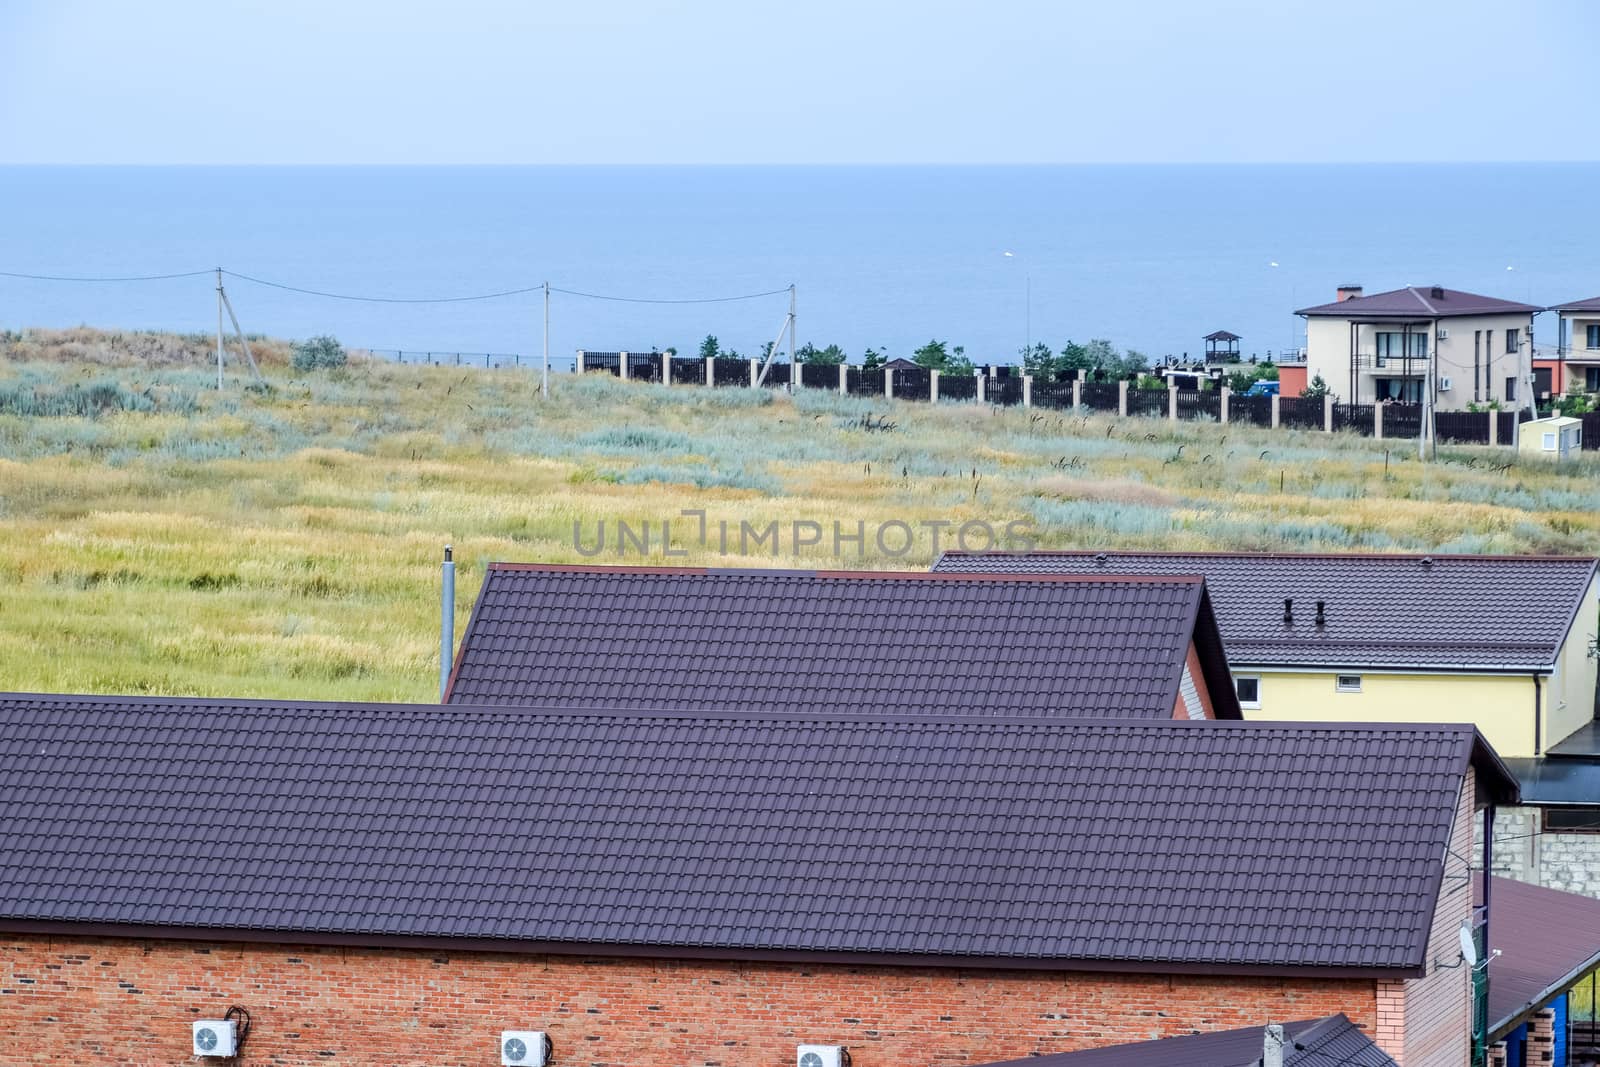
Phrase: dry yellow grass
(286, 542)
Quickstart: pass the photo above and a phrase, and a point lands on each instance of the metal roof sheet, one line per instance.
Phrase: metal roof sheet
(1547, 940)
(1438, 612)
(1418, 302)
(1312, 1043)
(825, 641)
(998, 841)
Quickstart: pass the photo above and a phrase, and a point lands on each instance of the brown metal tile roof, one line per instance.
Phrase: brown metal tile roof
(984, 841)
(1548, 940)
(1314, 1043)
(823, 641)
(1418, 302)
(1591, 304)
(1509, 613)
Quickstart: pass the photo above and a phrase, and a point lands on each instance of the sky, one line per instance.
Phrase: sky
(814, 81)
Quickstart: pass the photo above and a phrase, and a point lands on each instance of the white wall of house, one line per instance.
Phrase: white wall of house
(1328, 354)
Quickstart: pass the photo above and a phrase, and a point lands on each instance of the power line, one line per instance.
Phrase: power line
(645, 300)
(130, 278)
(384, 299)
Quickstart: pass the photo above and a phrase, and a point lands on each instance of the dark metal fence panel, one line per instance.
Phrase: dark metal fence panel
(1006, 391)
(1591, 429)
(958, 387)
(1508, 424)
(1101, 396)
(819, 375)
(912, 384)
(777, 375)
(644, 366)
(1052, 394)
(610, 362)
(1250, 410)
(1199, 404)
(689, 372)
(1300, 413)
(1147, 402)
(1462, 427)
(1402, 420)
(866, 381)
(730, 372)
(1354, 417)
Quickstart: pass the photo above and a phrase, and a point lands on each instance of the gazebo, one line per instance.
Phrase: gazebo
(1222, 347)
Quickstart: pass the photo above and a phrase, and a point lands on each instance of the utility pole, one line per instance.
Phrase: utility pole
(219, 329)
(544, 373)
(1429, 380)
(794, 368)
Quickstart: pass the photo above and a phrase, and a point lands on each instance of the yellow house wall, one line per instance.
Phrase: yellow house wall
(1569, 702)
(1501, 706)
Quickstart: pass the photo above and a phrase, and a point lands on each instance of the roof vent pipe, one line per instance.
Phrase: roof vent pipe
(447, 621)
(1288, 610)
(1322, 616)
(1437, 293)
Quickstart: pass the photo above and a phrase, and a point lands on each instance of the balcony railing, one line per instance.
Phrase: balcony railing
(1416, 363)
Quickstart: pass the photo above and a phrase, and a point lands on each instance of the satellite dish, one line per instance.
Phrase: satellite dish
(1469, 947)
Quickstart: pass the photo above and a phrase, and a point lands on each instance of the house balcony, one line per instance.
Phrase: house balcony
(1392, 366)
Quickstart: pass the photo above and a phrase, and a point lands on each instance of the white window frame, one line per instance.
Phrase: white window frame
(1341, 683)
(1248, 705)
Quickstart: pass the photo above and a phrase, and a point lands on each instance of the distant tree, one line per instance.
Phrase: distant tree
(1316, 390)
(709, 349)
(729, 353)
(933, 355)
(874, 358)
(1040, 361)
(1133, 361)
(831, 356)
(323, 351)
(958, 363)
(672, 350)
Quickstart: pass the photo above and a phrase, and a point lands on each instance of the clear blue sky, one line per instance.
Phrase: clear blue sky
(825, 81)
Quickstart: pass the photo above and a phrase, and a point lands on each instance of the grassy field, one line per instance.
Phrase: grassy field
(160, 537)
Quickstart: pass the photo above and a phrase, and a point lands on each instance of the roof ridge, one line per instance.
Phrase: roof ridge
(852, 575)
(1424, 300)
(1125, 553)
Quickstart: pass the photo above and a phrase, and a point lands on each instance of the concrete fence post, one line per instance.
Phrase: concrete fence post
(666, 368)
(1275, 399)
(581, 355)
(1027, 390)
(1377, 421)
(1494, 427)
(1327, 413)
(622, 365)
(933, 387)
(711, 371)
(888, 383)
(1222, 405)
(755, 371)
(844, 378)
(1172, 403)
(1122, 397)
(979, 376)
(1077, 394)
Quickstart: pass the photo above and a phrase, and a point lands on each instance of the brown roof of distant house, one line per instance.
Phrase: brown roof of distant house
(1233, 847)
(901, 363)
(775, 640)
(1591, 304)
(1314, 1043)
(1548, 941)
(1221, 335)
(1442, 612)
(1418, 302)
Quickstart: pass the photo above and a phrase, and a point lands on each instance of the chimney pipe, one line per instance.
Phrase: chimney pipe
(1288, 610)
(447, 621)
(1322, 617)
(1272, 1046)
(1437, 293)
(1346, 292)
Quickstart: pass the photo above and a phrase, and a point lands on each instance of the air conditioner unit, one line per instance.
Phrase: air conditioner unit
(1444, 385)
(524, 1048)
(1444, 334)
(215, 1037)
(822, 1056)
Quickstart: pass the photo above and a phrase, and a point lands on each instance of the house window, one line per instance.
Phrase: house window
(1591, 335)
(1512, 338)
(1549, 442)
(1394, 346)
(1572, 820)
(1249, 689)
(1347, 683)
(1591, 379)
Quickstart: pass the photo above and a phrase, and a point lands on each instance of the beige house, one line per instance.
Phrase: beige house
(1578, 346)
(1384, 347)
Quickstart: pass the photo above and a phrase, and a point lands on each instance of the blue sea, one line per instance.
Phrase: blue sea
(1150, 257)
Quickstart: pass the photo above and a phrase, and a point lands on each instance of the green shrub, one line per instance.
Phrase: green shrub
(323, 351)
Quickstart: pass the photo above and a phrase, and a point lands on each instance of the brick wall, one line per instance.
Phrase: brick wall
(94, 1000)
(1565, 861)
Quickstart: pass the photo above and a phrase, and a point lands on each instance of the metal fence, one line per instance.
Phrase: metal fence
(957, 387)
(730, 372)
(1300, 413)
(1004, 391)
(1101, 396)
(1147, 402)
(912, 384)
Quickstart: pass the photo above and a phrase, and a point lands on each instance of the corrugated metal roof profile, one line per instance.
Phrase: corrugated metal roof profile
(828, 641)
(1313, 1043)
(1438, 612)
(1232, 847)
